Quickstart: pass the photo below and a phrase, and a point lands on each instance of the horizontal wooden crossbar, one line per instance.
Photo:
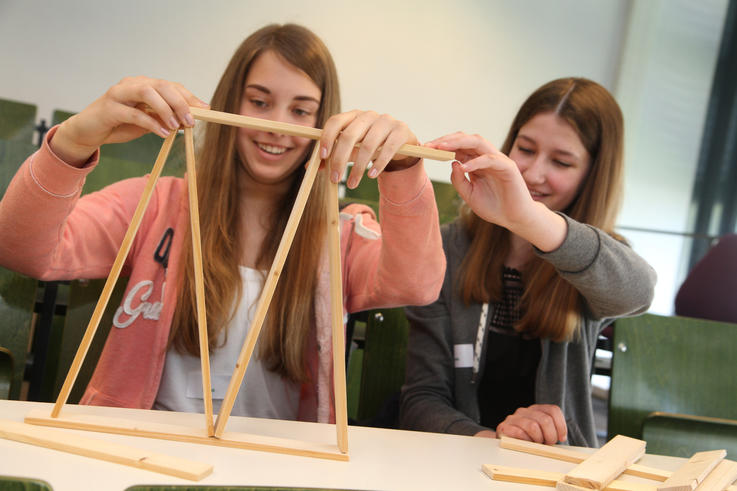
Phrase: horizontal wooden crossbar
(303, 131)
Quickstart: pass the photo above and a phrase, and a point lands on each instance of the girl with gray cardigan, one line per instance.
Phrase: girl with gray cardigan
(534, 273)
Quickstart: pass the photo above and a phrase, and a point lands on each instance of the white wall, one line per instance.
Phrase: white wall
(440, 66)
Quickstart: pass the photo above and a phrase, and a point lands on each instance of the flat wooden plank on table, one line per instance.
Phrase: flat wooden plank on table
(98, 449)
(694, 471)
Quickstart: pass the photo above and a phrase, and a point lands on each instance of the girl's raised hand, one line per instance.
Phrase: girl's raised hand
(379, 136)
(487, 180)
(132, 107)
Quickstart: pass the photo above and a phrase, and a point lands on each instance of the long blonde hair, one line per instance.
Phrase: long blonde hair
(551, 306)
(284, 336)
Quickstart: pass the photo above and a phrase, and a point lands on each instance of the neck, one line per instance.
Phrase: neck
(520, 252)
(258, 203)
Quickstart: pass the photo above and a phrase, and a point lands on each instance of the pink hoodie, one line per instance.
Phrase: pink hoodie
(51, 234)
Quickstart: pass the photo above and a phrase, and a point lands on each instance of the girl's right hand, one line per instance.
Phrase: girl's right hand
(129, 109)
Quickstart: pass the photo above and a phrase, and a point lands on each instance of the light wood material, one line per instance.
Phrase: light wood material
(575, 456)
(336, 303)
(267, 292)
(303, 131)
(194, 220)
(113, 277)
(550, 479)
(102, 450)
(185, 434)
(608, 462)
(722, 476)
(693, 472)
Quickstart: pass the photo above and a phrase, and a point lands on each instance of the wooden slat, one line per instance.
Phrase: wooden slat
(722, 476)
(303, 131)
(185, 434)
(338, 327)
(550, 479)
(102, 450)
(107, 290)
(693, 472)
(194, 220)
(576, 456)
(606, 463)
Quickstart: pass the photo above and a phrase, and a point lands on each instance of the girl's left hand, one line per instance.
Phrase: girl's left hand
(379, 136)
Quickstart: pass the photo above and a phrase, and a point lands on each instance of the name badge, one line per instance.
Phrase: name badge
(463, 355)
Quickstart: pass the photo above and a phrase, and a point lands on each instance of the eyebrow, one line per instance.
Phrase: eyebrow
(263, 89)
(557, 150)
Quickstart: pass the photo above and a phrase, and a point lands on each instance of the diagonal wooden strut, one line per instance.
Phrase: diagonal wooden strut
(107, 290)
(268, 291)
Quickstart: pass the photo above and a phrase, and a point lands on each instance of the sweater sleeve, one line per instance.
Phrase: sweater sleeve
(427, 400)
(49, 232)
(614, 279)
(401, 261)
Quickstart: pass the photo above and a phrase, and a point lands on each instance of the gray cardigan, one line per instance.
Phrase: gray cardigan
(438, 396)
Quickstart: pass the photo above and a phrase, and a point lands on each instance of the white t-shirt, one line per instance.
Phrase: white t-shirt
(263, 393)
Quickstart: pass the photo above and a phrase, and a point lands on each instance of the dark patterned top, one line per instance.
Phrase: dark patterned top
(508, 378)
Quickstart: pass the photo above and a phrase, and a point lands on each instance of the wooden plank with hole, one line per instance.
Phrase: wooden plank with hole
(693, 472)
(550, 479)
(102, 450)
(576, 456)
(606, 463)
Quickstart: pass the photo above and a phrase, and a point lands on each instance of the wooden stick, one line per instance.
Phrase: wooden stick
(268, 291)
(190, 434)
(303, 131)
(108, 451)
(336, 301)
(550, 479)
(693, 472)
(194, 220)
(722, 476)
(107, 290)
(606, 463)
(576, 456)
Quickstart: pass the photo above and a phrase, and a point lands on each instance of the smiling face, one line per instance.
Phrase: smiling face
(552, 160)
(278, 91)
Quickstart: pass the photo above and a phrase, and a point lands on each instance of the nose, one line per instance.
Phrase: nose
(534, 170)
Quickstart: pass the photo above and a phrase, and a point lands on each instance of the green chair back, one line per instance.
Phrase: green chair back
(6, 373)
(17, 121)
(383, 361)
(11, 483)
(17, 292)
(675, 365)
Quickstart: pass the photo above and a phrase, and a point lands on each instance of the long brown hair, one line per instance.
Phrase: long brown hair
(291, 312)
(551, 306)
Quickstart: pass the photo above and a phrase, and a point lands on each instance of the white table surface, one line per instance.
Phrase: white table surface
(380, 459)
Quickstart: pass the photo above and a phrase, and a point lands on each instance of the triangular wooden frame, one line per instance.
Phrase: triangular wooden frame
(213, 433)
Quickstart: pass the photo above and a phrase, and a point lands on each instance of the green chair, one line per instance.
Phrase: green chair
(17, 121)
(674, 383)
(374, 387)
(6, 373)
(682, 435)
(12, 483)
